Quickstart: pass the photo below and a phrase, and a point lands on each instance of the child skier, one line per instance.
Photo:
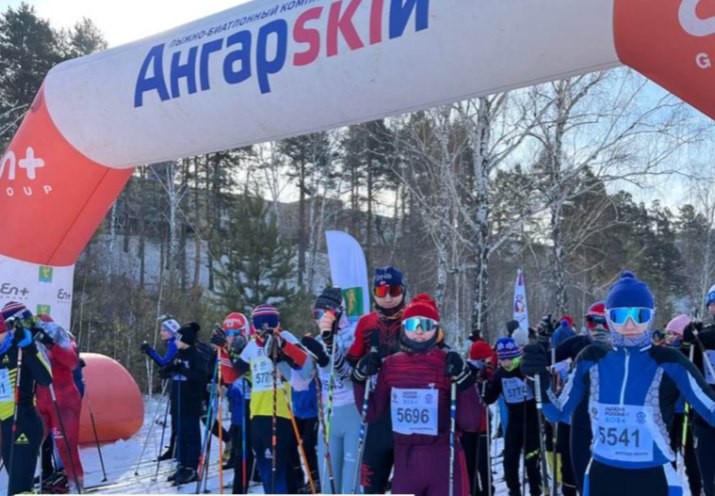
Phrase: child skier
(342, 417)
(271, 359)
(414, 385)
(523, 429)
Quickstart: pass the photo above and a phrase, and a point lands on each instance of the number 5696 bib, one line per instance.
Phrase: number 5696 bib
(414, 411)
(622, 432)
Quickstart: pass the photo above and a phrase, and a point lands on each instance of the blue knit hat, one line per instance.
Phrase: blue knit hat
(507, 349)
(387, 275)
(710, 298)
(265, 317)
(629, 292)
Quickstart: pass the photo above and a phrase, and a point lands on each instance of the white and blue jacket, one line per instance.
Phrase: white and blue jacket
(632, 395)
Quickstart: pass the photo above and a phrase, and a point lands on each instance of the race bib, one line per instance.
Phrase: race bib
(414, 411)
(622, 432)
(5, 386)
(515, 390)
(262, 374)
(710, 355)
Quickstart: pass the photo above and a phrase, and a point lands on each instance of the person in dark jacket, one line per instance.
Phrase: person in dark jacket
(414, 385)
(189, 372)
(21, 425)
(522, 432)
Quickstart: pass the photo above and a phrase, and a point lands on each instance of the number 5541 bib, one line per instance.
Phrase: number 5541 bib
(622, 432)
(414, 411)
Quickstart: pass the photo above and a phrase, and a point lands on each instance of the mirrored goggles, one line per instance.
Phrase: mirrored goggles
(385, 289)
(414, 323)
(319, 312)
(637, 314)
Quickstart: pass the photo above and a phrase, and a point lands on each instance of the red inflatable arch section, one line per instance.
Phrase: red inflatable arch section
(271, 69)
(114, 399)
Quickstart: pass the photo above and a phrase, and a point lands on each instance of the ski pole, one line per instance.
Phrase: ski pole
(65, 440)
(151, 429)
(274, 419)
(452, 428)
(244, 425)
(96, 437)
(208, 465)
(539, 405)
(326, 445)
(207, 433)
(706, 358)
(220, 427)
(489, 444)
(296, 431)
(11, 461)
(363, 429)
(163, 431)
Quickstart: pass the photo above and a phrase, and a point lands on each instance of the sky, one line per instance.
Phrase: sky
(123, 21)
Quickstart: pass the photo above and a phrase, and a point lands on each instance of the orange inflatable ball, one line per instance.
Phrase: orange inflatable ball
(114, 398)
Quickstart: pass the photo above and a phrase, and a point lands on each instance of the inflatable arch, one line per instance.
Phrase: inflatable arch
(271, 69)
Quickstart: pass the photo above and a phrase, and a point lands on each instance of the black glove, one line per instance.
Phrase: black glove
(218, 338)
(368, 365)
(457, 369)
(317, 350)
(536, 361)
(40, 335)
(145, 347)
(238, 344)
(22, 338)
(688, 334)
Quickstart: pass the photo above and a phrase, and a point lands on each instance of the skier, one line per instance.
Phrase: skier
(632, 391)
(341, 418)
(414, 386)
(21, 367)
(230, 342)
(483, 362)
(167, 332)
(188, 371)
(704, 433)
(522, 430)
(272, 358)
(380, 329)
(61, 351)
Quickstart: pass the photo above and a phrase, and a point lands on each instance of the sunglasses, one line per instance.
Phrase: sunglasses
(414, 323)
(385, 289)
(638, 315)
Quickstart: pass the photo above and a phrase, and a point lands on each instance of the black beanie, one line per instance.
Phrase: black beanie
(329, 299)
(187, 333)
(512, 326)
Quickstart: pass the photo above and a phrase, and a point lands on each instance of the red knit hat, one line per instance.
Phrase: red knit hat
(480, 350)
(421, 306)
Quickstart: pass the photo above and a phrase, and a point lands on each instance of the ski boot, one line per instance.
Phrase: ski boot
(57, 483)
(185, 476)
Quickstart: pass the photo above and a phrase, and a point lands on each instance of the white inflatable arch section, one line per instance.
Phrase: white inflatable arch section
(271, 69)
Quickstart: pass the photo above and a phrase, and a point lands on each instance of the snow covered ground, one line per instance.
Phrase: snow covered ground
(131, 467)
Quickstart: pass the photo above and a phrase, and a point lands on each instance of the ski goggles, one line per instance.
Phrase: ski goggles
(414, 323)
(383, 290)
(318, 313)
(638, 315)
(233, 333)
(596, 320)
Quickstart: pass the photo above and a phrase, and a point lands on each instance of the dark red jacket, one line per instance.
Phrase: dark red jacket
(63, 361)
(422, 370)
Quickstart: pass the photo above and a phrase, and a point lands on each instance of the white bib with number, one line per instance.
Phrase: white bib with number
(622, 432)
(710, 355)
(414, 411)
(515, 390)
(5, 386)
(262, 374)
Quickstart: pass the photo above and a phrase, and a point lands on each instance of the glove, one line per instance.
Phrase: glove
(688, 334)
(218, 338)
(40, 335)
(326, 324)
(22, 337)
(368, 365)
(546, 327)
(238, 344)
(457, 369)
(316, 349)
(145, 347)
(535, 361)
